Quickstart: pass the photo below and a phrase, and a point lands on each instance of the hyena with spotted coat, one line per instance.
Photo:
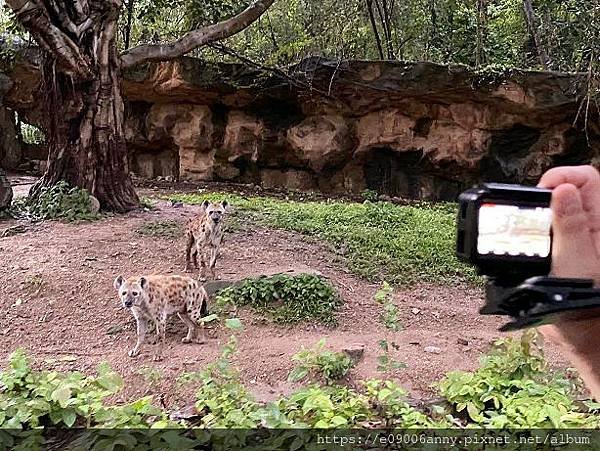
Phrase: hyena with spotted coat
(204, 235)
(154, 298)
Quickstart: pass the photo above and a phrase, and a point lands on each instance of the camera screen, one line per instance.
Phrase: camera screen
(511, 230)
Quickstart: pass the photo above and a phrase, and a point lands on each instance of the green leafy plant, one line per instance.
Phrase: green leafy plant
(513, 388)
(283, 298)
(385, 362)
(369, 195)
(163, 228)
(324, 407)
(31, 134)
(147, 203)
(56, 202)
(389, 316)
(387, 402)
(223, 400)
(329, 365)
(32, 398)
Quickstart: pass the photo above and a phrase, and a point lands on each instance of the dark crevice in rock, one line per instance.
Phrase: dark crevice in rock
(507, 152)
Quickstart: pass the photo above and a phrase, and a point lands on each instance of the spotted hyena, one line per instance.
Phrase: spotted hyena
(152, 299)
(204, 235)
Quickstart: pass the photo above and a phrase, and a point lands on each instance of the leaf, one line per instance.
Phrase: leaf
(62, 395)
(474, 412)
(209, 318)
(69, 416)
(297, 444)
(338, 421)
(298, 373)
(233, 323)
(109, 379)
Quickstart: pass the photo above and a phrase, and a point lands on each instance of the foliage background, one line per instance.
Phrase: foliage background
(444, 31)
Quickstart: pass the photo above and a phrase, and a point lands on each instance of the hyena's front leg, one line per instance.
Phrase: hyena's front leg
(203, 262)
(141, 335)
(214, 252)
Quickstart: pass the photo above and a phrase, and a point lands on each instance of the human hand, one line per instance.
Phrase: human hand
(576, 254)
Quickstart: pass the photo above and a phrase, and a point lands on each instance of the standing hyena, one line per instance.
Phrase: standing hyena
(154, 298)
(203, 236)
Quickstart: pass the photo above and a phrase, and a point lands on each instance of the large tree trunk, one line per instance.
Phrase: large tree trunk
(82, 98)
(82, 92)
(86, 140)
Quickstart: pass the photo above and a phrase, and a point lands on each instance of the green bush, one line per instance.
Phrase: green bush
(56, 202)
(329, 365)
(378, 240)
(283, 298)
(513, 388)
(31, 399)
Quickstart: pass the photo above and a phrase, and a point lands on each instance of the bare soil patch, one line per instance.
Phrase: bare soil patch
(59, 304)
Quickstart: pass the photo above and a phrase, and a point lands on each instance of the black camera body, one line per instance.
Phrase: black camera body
(505, 232)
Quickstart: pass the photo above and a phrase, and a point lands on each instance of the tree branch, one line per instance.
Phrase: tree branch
(34, 17)
(195, 38)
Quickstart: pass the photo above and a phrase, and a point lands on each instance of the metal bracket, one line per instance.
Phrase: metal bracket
(535, 301)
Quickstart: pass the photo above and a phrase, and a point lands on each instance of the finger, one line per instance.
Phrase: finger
(573, 249)
(586, 179)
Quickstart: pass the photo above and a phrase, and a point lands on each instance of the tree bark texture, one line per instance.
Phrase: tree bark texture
(83, 102)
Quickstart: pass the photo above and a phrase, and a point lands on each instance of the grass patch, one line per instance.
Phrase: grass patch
(165, 229)
(378, 240)
(284, 299)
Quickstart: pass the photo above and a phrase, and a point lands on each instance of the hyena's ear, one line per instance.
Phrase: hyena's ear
(143, 283)
(205, 205)
(118, 282)
(224, 204)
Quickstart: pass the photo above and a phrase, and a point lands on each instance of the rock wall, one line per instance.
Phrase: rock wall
(416, 130)
(10, 148)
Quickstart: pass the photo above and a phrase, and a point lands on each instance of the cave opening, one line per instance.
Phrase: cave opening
(507, 151)
(394, 173)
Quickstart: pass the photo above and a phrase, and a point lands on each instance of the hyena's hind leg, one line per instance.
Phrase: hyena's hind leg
(191, 333)
(191, 251)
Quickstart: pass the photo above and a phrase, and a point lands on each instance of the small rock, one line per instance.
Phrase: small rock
(432, 349)
(462, 341)
(414, 343)
(94, 205)
(355, 351)
(415, 311)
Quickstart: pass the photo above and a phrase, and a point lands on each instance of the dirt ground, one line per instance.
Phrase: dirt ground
(59, 304)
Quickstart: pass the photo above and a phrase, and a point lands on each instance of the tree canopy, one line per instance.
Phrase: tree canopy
(471, 32)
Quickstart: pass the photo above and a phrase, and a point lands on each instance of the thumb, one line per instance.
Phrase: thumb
(573, 249)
